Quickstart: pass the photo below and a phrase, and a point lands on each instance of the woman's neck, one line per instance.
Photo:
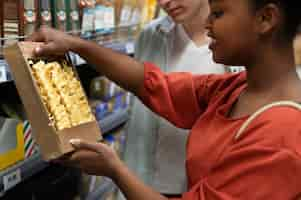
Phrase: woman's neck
(274, 72)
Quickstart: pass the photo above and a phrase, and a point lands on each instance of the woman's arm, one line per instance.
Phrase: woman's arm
(171, 96)
(122, 69)
(99, 159)
(132, 187)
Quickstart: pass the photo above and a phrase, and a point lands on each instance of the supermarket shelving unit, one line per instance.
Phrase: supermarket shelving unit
(23, 170)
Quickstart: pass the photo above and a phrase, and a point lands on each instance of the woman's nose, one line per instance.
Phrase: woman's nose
(163, 3)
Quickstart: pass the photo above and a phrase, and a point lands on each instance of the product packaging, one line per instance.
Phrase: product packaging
(58, 109)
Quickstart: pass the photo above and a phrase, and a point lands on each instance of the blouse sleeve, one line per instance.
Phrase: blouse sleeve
(179, 97)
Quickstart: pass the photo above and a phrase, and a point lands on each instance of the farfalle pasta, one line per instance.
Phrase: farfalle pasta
(62, 94)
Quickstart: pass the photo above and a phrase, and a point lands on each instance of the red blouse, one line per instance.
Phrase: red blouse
(264, 163)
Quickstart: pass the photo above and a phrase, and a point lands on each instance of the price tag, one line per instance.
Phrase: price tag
(130, 47)
(12, 179)
(3, 74)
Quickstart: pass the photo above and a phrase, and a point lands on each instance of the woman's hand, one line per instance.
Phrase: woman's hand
(94, 158)
(100, 159)
(56, 43)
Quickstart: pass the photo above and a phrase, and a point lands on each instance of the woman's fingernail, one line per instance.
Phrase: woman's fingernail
(38, 49)
(75, 142)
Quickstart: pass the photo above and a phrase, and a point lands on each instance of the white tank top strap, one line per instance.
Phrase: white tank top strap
(261, 110)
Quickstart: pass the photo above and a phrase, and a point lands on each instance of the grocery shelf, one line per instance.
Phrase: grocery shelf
(114, 120)
(25, 169)
(124, 47)
(5, 81)
(101, 191)
(20, 172)
(5, 76)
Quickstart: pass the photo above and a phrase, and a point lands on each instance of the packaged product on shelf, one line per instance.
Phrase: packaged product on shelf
(11, 142)
(12, 14)
(73, 15)
(118, 101)
(116, 139)
(99, 19)
(121, 101)
(6, 76)
(91, 183)
(104, 16)
(45, 13)
(30, 146)
(3, 75)
(93, 103)
(118, 9)
(88, 22)
(104, 89)
(136, 15)
(1, 24)
(149, 11)
(109, 139)
(59, 14)
(122, 142)
(30, 16)
(100, 109)
(126, 12)
(111, 195)
(128, 99)
(109, 16)
(54, 100)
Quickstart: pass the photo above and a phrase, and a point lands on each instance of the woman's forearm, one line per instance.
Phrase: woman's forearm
(122, 69)
(132, 187)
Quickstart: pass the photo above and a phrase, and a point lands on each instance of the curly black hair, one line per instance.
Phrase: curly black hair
(292, 14)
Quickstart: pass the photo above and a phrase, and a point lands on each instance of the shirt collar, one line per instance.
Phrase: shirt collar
(166, 26)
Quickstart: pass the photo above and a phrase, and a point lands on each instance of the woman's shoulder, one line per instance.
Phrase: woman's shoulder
(280, 125)
(227, 82)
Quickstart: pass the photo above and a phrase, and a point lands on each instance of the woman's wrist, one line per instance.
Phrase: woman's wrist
(117, 168)
(75, 44)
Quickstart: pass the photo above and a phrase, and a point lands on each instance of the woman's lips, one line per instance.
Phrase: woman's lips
(175, 11)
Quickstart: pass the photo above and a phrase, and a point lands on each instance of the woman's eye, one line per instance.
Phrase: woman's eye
(217, 14)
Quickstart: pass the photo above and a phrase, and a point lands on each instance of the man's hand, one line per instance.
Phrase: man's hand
(56, 43)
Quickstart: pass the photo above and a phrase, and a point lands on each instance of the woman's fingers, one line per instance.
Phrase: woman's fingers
(80, 144)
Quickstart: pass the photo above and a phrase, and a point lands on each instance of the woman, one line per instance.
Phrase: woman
(264, 162)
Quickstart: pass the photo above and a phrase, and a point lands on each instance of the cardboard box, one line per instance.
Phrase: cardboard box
(53, 143)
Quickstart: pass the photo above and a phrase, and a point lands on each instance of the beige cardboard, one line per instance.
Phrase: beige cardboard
(53, 144)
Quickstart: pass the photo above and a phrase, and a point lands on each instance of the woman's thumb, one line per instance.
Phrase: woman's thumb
(44, 50)
(79, 144)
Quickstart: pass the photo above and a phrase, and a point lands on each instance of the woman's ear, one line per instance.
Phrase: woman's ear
(268, 19)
